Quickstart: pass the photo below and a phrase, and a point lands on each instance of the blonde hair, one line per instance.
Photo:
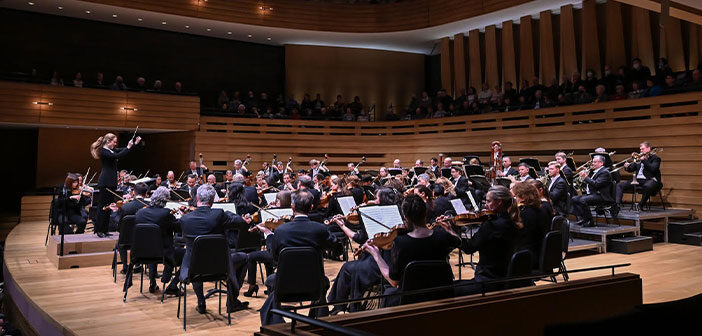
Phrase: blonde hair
(99, 143)
(448, 186)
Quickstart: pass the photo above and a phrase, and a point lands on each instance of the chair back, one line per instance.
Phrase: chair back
(126, 231)
(300, 275)
(519, 265)
(248, 241)
(426, 274)
(209, 259)
(147, 244)
(550, 252)
(562, 225)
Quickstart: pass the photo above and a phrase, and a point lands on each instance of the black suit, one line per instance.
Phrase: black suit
(568, 172)
(649, 185)
(205, 220)
(511, 172)
(462, 189)
(299, 232)
(198, 171)
(107, 180)
(436, 171)
(599, 192)
(168, 225)
(558, 193)
(495, 241)
(251, 195)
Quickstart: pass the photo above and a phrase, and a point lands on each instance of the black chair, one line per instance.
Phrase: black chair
(56, 216)
(209, 262)
(608, 209)
(519, 265)
(561, 224)
(426, 274)
(147, 249)
(300, 276)
(124, 242)
(551, 254)
(660, 194)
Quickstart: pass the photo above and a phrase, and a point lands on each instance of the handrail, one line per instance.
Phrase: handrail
(318, 323)
(482, 284)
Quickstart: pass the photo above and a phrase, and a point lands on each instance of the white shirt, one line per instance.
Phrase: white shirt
(640, 174)
(594, 172)
(553, 181)
(111, 151)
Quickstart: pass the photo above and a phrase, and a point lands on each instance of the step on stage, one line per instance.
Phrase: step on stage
(81, 250)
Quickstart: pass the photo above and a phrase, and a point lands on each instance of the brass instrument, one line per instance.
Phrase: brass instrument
(634, 158)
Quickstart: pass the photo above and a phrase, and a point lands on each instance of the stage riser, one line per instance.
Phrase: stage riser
(89, 243)
(83, 260)
(630, 245)
(692, 239)
(676, 230)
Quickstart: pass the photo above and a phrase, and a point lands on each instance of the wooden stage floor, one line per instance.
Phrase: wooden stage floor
(85, 301)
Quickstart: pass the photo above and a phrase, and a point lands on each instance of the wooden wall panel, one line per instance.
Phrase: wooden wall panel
(615, 55)
(547, 61)
(509, 65)
(641, 34)
(675, 51)
(491, 58)
(459, 64)
(446, 64)
(590, 41)
(568, 58)
(476, 67)
(693, 58)
(526, 50)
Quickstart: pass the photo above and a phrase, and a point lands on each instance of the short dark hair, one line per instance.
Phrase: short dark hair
(141, 189)
(438, 190)
(415, 211)
(193, 176)
(306, 181)
(302, 201)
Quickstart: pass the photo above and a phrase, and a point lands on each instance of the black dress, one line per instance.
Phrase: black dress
(70, 211)
(536, 223)
(107, 180)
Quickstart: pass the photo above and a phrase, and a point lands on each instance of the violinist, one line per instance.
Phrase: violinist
(287, 183)
(320, 183)
(191, 187)
(427, 196)
(442, 200)
(237, 196)
(157, 183)
(302, 232)
(495, 241)
(104, 149)
(382, 177)
(171, 182)
(546, 203)
(338, 189)
(352, 170)
(87, 192)
(304, 182)
(535, 220)
(419, 243)
(647, 173)
(128, 208)
(355, 277)
(250, 192)
(448, 187)
(158, 214)
(353, 184)
(70, 204)
(282, 200)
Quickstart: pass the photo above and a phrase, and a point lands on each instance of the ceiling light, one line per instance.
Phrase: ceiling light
(114, 15)
(60, 8)
(187, 27)
(30, 3)
(208, 29)
(270, 8)
(250, 36)
(269, 39)
(140, 19)
(163, 22)
(87, 12)
(260, 7)
(229, 33)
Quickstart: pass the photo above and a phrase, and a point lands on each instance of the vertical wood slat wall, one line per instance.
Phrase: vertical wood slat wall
(589, 37)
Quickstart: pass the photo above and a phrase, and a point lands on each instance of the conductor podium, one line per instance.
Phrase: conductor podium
(81, 250)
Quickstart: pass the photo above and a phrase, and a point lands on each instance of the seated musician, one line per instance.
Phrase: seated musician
(442, 200)
(205, 220)
(495, 241)
(171, 182)
(282, 200)
(287, 183)
(193, 169)
(191, 187)
(435, 169)
(249, 191)
(353, 184)
(616, 177)
(356, 277)
(463, 186)
(562, 160)
(523, 172)
(338, 188)
(69, 206)
(237, 196)
(319, 183)
(558, 189)
(239, 168)
(305, 182)
(352, 170)
(156, 213)
(427, 196)
(598, 191)
(449, 189)
(647, 173)
(507, 169)
(157, 183)
(316, 168)
(536, 221)
(301, 231)
(397, 164)
(382, 177)
(420, 243)
(87, 192)
(128, 208)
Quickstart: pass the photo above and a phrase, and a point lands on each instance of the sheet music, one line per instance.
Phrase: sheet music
(225, 206)
(389, 215)
(458, 206)
(174, 205)
(270, 197)
(265, 214)
(472, 200)
(346, 203)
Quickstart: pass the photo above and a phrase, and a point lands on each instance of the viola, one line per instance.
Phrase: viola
(383, 240)
(272, 223)
(324, 200)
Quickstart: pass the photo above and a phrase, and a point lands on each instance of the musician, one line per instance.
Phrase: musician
(558, 189)
(191, 187)
(171, 182)
(305, 182)
(239, 168)
(157, 183)
(69, 206)
(87, 193)
(319, 183)
(382, 177)
(352, 169)
(463, 186)
(205, 220)
(123, 186)
(598, 191)
(523, 172)
(427, 196)
(507, 169)
(495, 241)
(423, 180)
(616, 177)
(435, 169)
(287, 183)
(397, 164)
(546, 204)
(562, 160)
(353, 184)
(193, 169)
(449, 189)
(156, 213)
(647, 173)
(442, 200)
(301, 231)
(250, 192)
(316, 168)
(368, 187)
(104, 149)
(355, 277)
(128, 207)
(535, 220)
(338, 188)
(447, 162)
(420, 243)
(237, 195)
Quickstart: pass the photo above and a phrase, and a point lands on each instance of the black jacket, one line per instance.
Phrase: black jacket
(536, 223)
(558, 193)
(108, 175)
(601, 184)
(300, 232)
(495, 242)
(129, 208)
(164, 219)
(512, 172)
(651, 168)
(198, 171)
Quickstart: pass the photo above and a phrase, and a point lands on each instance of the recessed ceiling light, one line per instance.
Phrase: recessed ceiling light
(269, 39)
(30, 3)
(229, 33)
(163, 22)
(208, 29)
(250, 36)
(87, 12)
(270, 8)
(187, 27)
(60, 8)
(140, 19)
(114, 15)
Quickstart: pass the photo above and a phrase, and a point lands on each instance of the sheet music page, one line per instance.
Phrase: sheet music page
(270, 197)
(225, 206)
(346, 203)
(265, 214)
(472, 200)
(389, 215)
(458, 206)
(174, 205)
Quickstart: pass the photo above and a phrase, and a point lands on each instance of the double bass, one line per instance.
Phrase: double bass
(495, 160)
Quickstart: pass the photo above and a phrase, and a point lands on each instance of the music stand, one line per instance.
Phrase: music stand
(570, 163)
(394, 171)
(479, 182)
(470, 170)
(467, 158)
(503, 181)
(532, 162)
(371, 172)
(219, 175)
(419, 170)
(183, 193)
(446, 172)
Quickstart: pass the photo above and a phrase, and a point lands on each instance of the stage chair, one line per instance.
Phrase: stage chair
(124, 242)
(551, 253)
(299, 277)
(147, 249)
(519, 265)
(561, 224)
(426, 274)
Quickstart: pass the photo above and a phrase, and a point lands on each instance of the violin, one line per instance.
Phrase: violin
(383, 240)
(182, 210)
(272, 223)
(80, 191)
(463, 219)
(324, 200)
(119, 204)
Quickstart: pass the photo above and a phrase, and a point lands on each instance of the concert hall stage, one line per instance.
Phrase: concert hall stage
(85, 301)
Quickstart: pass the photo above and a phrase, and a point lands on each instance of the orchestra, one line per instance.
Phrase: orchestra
(511, 218)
